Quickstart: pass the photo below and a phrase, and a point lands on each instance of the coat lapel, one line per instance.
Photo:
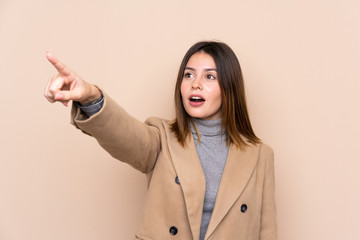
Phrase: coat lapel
(238, 170)
(191, 176)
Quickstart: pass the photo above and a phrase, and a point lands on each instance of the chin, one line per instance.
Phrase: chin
(196, 115)
(200, 116)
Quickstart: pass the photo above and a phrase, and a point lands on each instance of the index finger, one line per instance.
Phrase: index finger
(60, 67)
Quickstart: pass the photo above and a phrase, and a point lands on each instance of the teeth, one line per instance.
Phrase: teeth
(196, 98)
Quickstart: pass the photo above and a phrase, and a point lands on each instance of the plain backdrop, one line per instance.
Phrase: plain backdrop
(300, 60)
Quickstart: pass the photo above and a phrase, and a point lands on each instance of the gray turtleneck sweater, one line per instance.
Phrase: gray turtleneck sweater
(212, 151)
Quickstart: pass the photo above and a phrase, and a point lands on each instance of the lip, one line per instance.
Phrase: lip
(196, 104)
(196, 95)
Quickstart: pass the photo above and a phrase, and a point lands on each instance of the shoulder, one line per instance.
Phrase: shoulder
(157, 122)
(263, 151)
(162, 125)
(164, 128)
(266, 149)
(263, 148)
(266, 155)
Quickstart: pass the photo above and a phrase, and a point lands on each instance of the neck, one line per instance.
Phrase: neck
(207, 127)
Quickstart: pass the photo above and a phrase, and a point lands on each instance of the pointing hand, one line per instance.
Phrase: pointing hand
(66, 85)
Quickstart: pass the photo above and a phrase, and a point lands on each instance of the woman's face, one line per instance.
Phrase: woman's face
(200, 89)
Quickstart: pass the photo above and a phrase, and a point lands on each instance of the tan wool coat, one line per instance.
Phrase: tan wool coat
(245, 203)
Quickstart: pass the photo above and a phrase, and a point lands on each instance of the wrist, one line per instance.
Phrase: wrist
(94, 96)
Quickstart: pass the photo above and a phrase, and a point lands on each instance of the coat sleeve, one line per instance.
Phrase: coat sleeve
(122, 136)
(268, 226)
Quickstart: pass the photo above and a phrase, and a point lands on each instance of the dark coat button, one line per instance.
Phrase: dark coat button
(243, 208)
(173, 230)
(177, 180)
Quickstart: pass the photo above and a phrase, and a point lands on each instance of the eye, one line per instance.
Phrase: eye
(188, 75)
(210, 77)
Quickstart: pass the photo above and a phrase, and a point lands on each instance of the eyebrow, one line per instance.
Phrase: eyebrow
(206, 69)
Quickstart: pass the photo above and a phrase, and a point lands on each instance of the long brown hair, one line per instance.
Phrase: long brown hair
(235, 117)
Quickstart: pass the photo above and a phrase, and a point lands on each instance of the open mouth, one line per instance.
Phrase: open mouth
(196, 99)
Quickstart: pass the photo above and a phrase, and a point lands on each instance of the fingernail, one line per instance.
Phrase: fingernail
(48, 54)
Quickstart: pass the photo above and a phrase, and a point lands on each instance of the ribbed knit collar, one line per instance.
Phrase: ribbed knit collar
(207, 127)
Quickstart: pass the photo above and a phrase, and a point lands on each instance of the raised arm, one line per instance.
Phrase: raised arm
(123, 136)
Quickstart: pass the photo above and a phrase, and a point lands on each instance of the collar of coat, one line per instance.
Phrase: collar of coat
(237, 172)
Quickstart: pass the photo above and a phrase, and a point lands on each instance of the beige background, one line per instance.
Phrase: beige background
(300, 60)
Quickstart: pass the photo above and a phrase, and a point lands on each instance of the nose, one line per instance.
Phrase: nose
(196, 84)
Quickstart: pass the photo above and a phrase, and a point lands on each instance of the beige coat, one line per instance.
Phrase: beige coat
(245, 204)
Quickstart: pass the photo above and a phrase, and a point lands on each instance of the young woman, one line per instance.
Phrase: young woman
(209, 175)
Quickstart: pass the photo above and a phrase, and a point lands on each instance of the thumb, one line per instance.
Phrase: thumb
(65, 96)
